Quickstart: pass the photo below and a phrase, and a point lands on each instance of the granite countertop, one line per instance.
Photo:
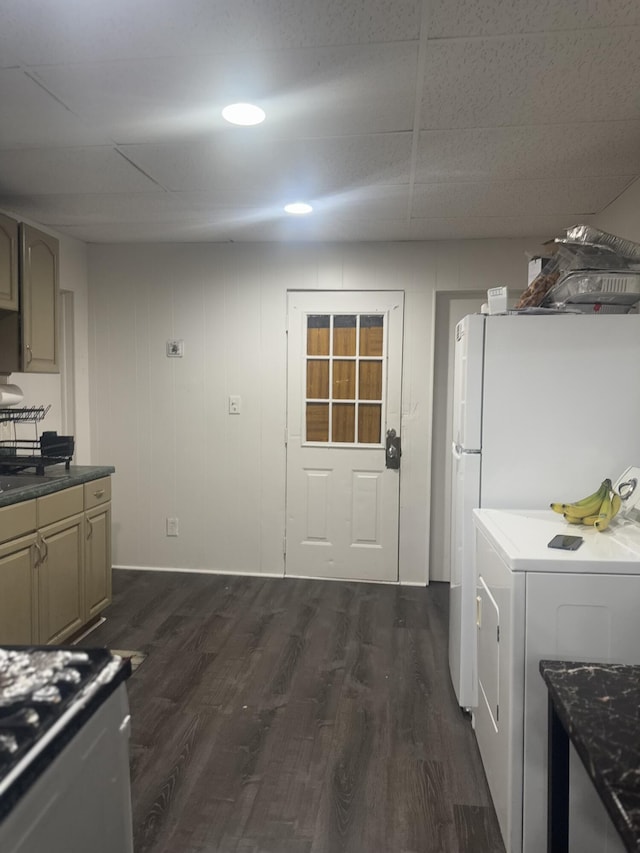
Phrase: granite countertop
(24, 486)
(599, 707)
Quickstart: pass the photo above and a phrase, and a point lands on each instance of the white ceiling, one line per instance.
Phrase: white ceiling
(396, 119)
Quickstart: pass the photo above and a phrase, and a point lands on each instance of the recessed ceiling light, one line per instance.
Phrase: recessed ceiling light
(245, 114)
(298, 207)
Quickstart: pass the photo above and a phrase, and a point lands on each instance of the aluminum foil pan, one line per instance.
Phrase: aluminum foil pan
(588, 235)
(614, 290)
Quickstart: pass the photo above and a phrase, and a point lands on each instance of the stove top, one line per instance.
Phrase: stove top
(41, 689)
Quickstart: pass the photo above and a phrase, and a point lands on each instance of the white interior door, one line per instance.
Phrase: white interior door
(343, 395)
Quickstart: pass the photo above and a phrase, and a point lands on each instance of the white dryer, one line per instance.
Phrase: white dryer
(534, 602)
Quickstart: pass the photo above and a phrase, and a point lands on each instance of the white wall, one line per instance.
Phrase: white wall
(44, 389)
(164, 424)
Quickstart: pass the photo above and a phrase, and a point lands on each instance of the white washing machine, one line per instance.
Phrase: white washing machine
(534, 602)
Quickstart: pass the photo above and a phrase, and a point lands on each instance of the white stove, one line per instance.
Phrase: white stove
(64, 772)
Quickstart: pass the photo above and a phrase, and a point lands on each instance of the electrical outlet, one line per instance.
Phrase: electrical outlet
(172, 526)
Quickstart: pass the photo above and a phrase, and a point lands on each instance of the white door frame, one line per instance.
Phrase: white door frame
(444, 301)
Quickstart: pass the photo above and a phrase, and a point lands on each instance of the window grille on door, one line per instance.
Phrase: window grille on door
(345, 363)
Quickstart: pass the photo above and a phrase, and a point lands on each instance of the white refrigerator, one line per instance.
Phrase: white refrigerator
(545, 407)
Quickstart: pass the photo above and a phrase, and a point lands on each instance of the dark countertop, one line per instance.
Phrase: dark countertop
(54, 479)
(599, 707)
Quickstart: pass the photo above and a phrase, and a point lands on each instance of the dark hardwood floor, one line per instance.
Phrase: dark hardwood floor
(295, 716)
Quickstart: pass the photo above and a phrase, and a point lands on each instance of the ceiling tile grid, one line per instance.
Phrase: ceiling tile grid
(396, 119)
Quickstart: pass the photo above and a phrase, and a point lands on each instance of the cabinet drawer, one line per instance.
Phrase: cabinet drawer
(97, 492)
(17, 519)
(59, 505)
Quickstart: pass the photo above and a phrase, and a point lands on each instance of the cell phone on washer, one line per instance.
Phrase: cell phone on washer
(566, 543)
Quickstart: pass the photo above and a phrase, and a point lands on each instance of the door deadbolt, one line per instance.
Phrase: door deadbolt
(393, 449)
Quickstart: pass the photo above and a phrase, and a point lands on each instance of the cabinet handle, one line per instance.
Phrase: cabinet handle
(90, 528)
(46, 550)
(99, 493)
(36, 557)
(29, 354)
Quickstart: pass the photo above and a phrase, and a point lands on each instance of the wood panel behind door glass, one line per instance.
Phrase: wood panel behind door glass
(345, 366)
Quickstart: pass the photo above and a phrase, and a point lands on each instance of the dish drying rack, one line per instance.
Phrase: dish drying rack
(48, 449)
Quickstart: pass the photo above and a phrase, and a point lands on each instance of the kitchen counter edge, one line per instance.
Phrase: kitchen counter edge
(54, 481)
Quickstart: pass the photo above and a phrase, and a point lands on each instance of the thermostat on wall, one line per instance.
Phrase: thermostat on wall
(175, 349)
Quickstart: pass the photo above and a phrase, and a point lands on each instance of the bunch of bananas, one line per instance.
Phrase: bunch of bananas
(595, 510)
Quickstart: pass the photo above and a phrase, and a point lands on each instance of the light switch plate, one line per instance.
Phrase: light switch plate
(234, 404)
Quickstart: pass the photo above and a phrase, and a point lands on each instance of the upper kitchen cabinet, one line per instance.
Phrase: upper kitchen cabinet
(29, 337)
(8, 263)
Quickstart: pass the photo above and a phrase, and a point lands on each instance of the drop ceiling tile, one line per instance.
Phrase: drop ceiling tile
(278, 169)
(488, 227)
(366, 203)
(31, 116)
(143, 232)
(551, 151)
(228, 225)
(550, 78)
(495, 17)
(91, 208)
(575, 196)
(327, 91)
(80, 30)
(40, 171)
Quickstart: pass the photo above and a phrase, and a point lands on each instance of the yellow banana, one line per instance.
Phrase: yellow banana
(616, 503)
(605, 513)
(571, 520)
(590, 520)
(586, 506)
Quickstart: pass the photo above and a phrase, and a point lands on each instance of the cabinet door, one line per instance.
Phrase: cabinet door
(39, 254)
(60, 580)
(17, 605)
(97, 560)
(8, 263)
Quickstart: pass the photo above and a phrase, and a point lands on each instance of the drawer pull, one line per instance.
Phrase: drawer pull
(99, 493)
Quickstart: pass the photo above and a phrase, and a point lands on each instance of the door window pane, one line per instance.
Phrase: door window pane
(371, 334)
(344, 422)
(344, 335)
(318, 379)
(369, 419)
(370, 380)
(344, 380)
(317, 422)
(318, 334)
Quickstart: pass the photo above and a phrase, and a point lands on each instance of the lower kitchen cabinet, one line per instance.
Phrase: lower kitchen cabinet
(60, 582)
(97, 560)
(18, 617)
(55, 563)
